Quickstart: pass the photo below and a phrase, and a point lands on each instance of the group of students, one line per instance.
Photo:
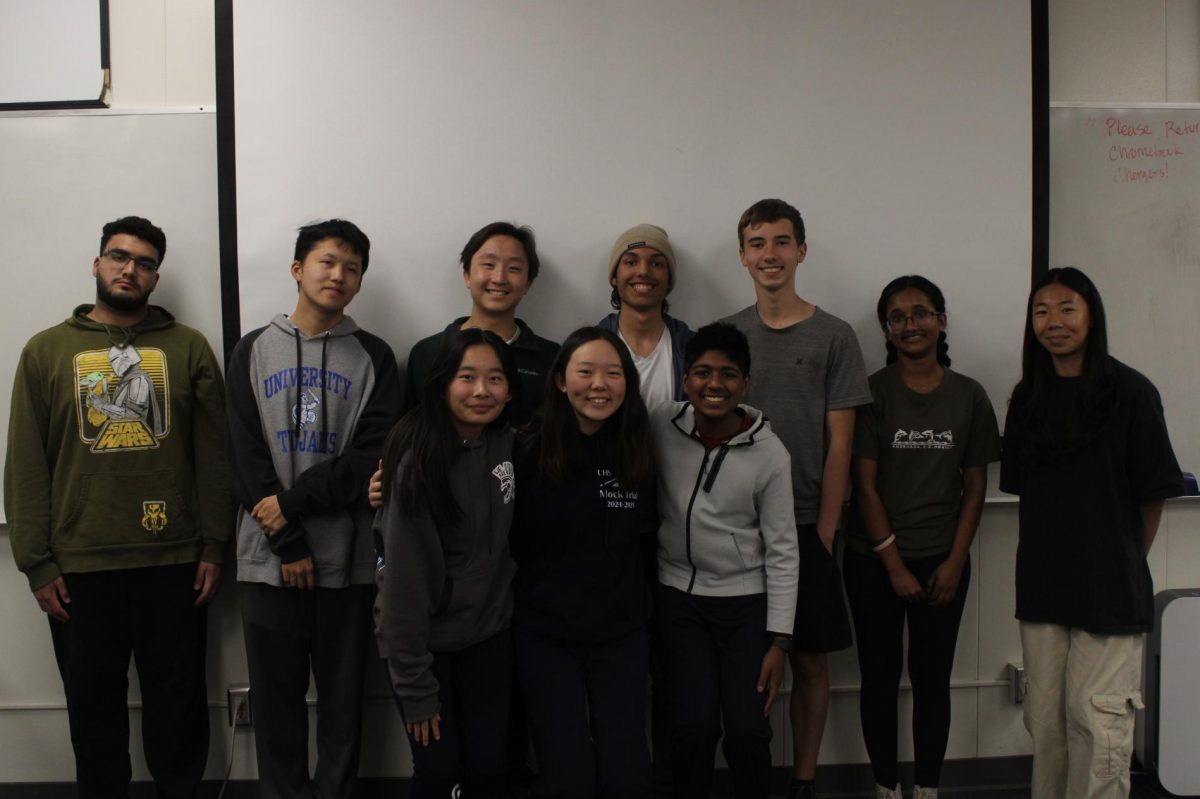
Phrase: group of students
(560, 525)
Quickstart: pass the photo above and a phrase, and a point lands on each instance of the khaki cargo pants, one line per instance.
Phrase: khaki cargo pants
(1081, 692)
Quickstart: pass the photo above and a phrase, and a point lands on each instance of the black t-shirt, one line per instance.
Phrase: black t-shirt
(1080, 561)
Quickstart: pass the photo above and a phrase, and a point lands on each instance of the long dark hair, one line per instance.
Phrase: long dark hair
(1097, 393)
(554, 433)
(926, 287)
(425, 439)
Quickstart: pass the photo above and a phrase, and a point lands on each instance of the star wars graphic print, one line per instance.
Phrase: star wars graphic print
(122, 398)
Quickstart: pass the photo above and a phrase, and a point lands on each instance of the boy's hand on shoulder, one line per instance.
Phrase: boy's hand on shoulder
(298, 574)
(269, 515)
(375, 488)
(770, 676)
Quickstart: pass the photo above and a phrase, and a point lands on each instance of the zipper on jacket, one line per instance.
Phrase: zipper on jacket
(687, 537)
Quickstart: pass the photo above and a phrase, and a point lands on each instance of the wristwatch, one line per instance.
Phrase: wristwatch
(784, 642)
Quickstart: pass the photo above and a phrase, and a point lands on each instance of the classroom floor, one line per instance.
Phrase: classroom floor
(1144, 787)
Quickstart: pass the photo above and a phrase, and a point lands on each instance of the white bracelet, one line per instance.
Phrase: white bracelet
(884, 544)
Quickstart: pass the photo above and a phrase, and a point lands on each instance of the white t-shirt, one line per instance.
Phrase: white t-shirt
(656, 371)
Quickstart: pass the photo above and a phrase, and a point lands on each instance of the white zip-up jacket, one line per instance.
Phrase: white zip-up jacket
(728, 525)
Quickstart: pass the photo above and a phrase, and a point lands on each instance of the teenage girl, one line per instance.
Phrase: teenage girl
(444, 609)
(920, 468)
(584, 513)
(1086, 448)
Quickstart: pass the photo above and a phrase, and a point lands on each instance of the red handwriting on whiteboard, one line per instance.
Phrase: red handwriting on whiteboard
(1173, 128)
(1117, 127)
(1119, 153)
(1126, 175)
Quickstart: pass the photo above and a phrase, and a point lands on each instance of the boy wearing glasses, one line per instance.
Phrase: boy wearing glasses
(118, 512)
(810, 378)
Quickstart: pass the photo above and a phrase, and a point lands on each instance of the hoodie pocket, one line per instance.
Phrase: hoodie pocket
(123, 509)
(748, 555)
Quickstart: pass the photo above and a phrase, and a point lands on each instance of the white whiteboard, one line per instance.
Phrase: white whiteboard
(1125, 208)
(50, 51)
(900, 130)
(64, 177)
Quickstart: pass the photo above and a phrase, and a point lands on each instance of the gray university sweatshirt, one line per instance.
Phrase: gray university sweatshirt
(306, 420)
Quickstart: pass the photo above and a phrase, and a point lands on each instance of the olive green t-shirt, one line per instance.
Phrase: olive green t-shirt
(921, 443)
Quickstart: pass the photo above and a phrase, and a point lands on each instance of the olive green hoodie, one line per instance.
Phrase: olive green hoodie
(115, 456)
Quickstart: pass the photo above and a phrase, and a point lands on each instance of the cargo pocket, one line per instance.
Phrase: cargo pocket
(1112, 729)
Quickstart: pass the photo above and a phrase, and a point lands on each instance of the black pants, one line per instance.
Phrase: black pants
(662, 775)
(587, 711)
(879, 619)
(715, 648)
(474, 688)
(150, 613)
(288, 631)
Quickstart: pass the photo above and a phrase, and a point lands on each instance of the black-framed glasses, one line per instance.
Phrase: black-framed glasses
(922, 317)
(120, 258)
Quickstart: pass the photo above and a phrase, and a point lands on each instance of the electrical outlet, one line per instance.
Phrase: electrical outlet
(238, 698)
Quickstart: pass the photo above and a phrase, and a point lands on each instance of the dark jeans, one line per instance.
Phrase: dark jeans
(587, 709)
(288, 631)
(474, 688)
(715, 648)
(150, 613)
(879, 619)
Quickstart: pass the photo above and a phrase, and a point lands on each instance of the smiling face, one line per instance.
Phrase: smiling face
(594, 384)
(329, 277)
(715, 386)
(642, 278)
(125, 287)
(498, 276)
(1061, 321)
(478, 392)
(771, 254)
(914, 324)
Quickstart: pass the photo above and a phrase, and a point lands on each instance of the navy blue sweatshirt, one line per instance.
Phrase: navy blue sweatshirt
(579, 547)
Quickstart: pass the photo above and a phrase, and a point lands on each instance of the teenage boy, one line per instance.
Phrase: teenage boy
(641, 271)
(728, 563)
(810, 379)
(311, 399)
(118, 512)
(499, 265)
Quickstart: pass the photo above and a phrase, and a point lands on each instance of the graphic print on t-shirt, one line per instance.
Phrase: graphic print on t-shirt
(922, 439)
(122, 398)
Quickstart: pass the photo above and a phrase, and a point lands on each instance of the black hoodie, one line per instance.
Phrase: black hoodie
(579, 547)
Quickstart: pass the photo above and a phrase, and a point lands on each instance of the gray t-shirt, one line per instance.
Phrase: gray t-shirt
(798, 373)
(921, 443)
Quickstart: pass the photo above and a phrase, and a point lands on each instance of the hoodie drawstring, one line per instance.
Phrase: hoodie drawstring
(298, 408)
(324, 406)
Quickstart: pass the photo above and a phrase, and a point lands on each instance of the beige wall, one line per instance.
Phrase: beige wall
(1125, 51)
(162, 54)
